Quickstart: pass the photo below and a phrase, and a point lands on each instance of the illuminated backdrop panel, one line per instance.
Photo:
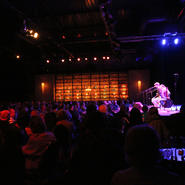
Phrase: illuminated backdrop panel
(91, 86)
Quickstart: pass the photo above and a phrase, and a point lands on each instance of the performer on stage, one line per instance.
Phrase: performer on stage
(162, 95)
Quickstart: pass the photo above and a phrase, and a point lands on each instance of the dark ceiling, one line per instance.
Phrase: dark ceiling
(72, 28)
(126, 30)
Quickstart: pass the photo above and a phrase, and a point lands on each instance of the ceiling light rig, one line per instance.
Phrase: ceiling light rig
(18, 57)
(92, 59)
(170, 39)
(30, 32)
(36, 35)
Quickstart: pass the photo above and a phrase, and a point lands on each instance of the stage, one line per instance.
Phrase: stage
(169, 111)
(174, 109)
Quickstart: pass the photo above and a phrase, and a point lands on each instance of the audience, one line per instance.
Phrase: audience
(135, 119)
(11, 157)
(145, 111)
(177, 131)
(154, 120)
(142, 152)
(71, 143)
(37, 144)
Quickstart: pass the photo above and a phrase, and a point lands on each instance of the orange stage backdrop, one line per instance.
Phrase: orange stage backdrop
(91, 86)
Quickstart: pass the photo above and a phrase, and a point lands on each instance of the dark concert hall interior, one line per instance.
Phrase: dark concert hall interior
(92, 92)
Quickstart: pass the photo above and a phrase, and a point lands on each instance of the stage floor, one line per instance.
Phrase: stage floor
(169, 111)
(165, 111)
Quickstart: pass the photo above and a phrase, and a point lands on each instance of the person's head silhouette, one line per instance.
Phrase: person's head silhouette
(142, 146)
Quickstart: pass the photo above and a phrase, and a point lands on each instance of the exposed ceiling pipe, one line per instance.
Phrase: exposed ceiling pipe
(151, 21)
(143, 38)
(105, 15)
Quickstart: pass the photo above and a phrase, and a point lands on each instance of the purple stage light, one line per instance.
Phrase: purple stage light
(163, 42)
(176, 41)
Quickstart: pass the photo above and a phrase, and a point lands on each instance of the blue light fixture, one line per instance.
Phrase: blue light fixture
(176, 41)
(164, 42)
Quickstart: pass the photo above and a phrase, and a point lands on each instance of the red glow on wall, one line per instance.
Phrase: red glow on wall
(79, 35)
(139, 85)
(42, 87)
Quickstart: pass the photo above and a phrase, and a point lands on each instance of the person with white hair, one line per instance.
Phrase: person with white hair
(162, 95)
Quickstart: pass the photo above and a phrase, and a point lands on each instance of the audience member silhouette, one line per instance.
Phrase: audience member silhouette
(154, 120)
(142, 152)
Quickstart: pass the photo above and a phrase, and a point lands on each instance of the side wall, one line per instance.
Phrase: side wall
(44, 87)
(133, 77)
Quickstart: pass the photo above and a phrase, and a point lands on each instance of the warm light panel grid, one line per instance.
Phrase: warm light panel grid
(91, 87)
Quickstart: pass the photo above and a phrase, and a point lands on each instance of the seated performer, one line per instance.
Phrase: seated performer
(162, 95)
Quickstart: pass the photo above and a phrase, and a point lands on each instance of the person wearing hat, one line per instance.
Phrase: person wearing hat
(4, 116)
(162, 94)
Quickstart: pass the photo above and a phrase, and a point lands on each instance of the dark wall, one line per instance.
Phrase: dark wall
(169, 61)
(138, 75)
(16, 81)
(45, 93)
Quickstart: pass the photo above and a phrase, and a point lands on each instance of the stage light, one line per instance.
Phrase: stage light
(95, 58)
(48, 61)
(86, 59)
(42, 87)
(176, 41)
(164, 42)
(78, 59)
(88, 89)
(69, 59)
(63, 60)
(108, 58)
(36, 35)
(139, 83)
(63, 37)
(18, 56)
(104, 58)
(79, 35)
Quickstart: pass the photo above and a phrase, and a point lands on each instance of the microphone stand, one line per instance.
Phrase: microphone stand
(176, 76)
